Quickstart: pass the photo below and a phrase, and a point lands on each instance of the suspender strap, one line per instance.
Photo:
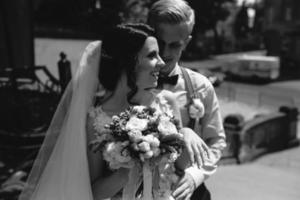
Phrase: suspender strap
(188, 84)
(190, 91)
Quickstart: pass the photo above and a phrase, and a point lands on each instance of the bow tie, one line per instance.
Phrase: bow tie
(172, 80)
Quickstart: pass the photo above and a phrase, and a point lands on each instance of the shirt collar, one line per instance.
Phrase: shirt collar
(175, 71)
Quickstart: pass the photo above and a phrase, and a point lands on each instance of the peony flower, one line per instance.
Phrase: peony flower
(165, 127)
(144, 146)
(116, 154)
(196, 109)
(153, 141)
(124, 156)
(135, 123)
(135, 135)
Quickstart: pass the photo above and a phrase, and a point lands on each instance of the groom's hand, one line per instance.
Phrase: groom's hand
(197, 150)
(184, 188)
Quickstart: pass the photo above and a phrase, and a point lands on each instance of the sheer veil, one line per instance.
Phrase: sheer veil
(61, 170)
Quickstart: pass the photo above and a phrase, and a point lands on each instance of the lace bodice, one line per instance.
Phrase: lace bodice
(99, 118)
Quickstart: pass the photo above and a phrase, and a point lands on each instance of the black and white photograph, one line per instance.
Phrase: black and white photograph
(149, 99)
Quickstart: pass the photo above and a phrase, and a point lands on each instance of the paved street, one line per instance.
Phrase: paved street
(272, 177)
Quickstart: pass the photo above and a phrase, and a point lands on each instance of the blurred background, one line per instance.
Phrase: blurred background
(248, 49)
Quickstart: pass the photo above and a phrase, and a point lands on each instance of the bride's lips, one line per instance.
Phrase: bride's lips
(155, 74)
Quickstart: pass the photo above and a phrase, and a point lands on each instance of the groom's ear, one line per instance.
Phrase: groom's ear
(187, 41)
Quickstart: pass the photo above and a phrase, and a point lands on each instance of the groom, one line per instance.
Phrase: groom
(173, 21)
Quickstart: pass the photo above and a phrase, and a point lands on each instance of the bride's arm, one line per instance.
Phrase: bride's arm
(103, 185)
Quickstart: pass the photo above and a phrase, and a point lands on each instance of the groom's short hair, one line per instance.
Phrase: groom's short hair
(171, 12)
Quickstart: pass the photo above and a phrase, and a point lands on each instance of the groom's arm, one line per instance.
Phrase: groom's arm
(213, 135)
(211, 139)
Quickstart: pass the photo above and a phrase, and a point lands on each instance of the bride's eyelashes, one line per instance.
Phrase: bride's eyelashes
(152, 54)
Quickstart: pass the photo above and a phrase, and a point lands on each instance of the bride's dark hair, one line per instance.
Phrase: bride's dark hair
(120, 47)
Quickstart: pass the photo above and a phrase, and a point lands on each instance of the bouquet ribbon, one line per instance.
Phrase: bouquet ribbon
(135, 180)
(147, 180)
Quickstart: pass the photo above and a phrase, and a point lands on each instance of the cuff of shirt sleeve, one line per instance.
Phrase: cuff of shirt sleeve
(197, 175)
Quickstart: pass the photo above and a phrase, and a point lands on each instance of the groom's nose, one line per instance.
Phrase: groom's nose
(160, 64)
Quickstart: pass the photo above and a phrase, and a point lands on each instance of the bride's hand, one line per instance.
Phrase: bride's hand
(184, 188)
(197, 150)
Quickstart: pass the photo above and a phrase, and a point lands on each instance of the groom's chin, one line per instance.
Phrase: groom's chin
(150, 88)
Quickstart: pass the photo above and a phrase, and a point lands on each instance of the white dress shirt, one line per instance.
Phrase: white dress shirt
(211, 126)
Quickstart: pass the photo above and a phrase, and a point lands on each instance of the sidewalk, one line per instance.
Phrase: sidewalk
(272, 177)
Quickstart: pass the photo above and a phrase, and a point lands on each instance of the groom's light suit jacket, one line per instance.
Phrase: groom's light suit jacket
(211, 126)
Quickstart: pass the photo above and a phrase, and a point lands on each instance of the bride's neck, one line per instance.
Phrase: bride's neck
(117, 102)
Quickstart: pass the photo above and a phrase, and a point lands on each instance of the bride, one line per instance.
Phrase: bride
(119, 72)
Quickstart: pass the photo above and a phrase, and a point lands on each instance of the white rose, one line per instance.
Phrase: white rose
(138, 109)
(117, 155)
(196, 109)
(135, 123)
(165, 127)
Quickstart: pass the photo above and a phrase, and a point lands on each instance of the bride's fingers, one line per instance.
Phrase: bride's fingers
(182, 189)
(180, 186)
(185, 192)
(188, 197)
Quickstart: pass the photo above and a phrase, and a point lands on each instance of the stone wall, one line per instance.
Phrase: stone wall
(246, 140)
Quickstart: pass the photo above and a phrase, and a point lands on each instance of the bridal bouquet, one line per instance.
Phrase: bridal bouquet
(140, 136)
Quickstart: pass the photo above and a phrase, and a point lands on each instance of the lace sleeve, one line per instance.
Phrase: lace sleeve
(95, 123)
